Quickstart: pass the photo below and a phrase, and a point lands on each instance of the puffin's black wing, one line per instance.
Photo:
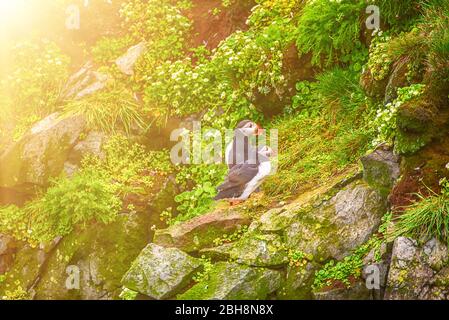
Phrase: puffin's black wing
(236, 180)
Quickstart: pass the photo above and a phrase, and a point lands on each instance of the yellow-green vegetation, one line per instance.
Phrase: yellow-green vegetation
(232, 237)
(298, 259)
(333, 89)
(342, 271)
(331, 31)
(326, 130)
(426, 218)
(207, 268)
(129, 166)
(109, 111)
(386, 120)
(349, 270)
(30, 85)
(85, 198)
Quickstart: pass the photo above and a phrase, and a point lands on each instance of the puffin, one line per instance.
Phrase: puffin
(243, 179)
(240, 150)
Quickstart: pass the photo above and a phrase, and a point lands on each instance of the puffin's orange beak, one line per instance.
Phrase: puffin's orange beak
(259, 130)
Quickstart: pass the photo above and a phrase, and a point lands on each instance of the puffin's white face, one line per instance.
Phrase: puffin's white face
(266, 151)
(250, 129)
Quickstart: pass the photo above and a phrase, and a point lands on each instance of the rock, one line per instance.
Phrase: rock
(101, 255)
(201, 231)
(417, 272)
(259, 251)
(231, 281)
(357, 292)
(398, 79)
(8, 248)
(381, 169)
(27, 265)
(220, 253)
(160, 272)
(41, 153)
(91, 145)
(84, 83)
(126, 62)
(298, 282)
(339, 225)
(373, 88)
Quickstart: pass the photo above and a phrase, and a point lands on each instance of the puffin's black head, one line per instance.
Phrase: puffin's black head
(249, 128)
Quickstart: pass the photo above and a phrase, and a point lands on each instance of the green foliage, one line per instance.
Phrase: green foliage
(298, 259)
(84, 198)
(327, 133)
(129, 165)
(108, 49)
(386, 119)
(379, 60)
(266, 12)
(426, 218)
(30, 85)
(109, 111)
(207, 268)
(399, 14)
(19, 293)
(350, 268)
(200, 183)
(162, 25)
(329, 29)
(342, 271)
(226, 84)
(238, 234)
(435, 25)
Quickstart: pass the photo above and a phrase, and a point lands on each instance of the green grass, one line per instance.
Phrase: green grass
(110, 111)
(426, 218)
(326, 134)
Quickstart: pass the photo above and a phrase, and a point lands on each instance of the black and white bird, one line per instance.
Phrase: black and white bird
(240, 150)
(243, 179)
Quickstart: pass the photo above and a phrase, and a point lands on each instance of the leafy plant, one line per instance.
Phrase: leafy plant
(108, 49)
(238, 234)
(129, 165)
(329, 29)
(350, 268)
(386, 119)
(67, 203)
(200, 183)
(207, 268)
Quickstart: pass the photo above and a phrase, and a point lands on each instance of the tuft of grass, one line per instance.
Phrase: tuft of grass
(426, 218)
(109, 111)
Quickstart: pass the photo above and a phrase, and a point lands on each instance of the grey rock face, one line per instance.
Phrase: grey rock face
(84, 83)
(201, 232)
(339, 225)
(418, 272)
(381, 169)
(259, 251)
(126, 62)
(160, 272)
(231, 281)
(41, 153)
(91, 145)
